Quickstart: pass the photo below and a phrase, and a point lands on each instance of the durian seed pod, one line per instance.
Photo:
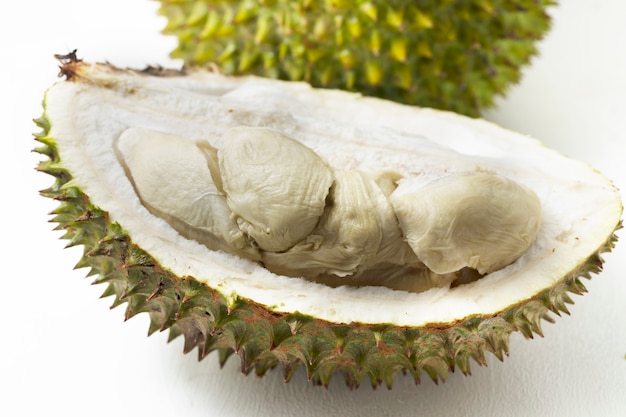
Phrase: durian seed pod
(453, 55)
(212, 317)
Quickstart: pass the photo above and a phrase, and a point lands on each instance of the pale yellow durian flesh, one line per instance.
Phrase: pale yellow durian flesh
(267, 197)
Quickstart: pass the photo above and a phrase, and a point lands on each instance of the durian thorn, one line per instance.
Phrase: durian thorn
(245, 366)
(231, 304)
(338, 350)
(434, 375)
(123, 294)
(416, 378)
(43, 123)
(203, 351)
(43, 150)
(223, 354)
(464, 366)
(350, 381)
(84, 263)
(130, 312)
(566, 300)
(547, 317)
(377, 338)
(289, 369)
(189, 344)
(375, 381)
(109, 291)
(500, 349)
(47, 141)
(563, 308)
(85, 216)
(294, 326)
(157, 291)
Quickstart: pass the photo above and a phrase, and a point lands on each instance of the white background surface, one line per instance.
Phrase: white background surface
(62, 352)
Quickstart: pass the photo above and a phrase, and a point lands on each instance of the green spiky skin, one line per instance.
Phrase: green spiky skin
(263, 339)
(446, 54)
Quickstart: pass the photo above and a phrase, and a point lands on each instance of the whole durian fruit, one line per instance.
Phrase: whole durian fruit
(293, 226)
(446, 54)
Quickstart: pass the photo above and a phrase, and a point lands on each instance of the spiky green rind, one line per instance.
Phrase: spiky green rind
(446, 54)
(265, 340)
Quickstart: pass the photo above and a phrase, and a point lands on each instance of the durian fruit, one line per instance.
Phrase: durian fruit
(292, 226)
(454, 55)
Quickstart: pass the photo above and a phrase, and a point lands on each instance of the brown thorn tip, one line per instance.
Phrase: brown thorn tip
(68, 62)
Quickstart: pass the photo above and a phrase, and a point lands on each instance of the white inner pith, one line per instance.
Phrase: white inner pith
(579, 207)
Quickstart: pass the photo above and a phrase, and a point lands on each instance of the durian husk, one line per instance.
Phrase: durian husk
(264, 339)
(453, 55)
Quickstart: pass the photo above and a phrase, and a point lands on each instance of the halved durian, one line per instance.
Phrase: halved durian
(198, 255)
